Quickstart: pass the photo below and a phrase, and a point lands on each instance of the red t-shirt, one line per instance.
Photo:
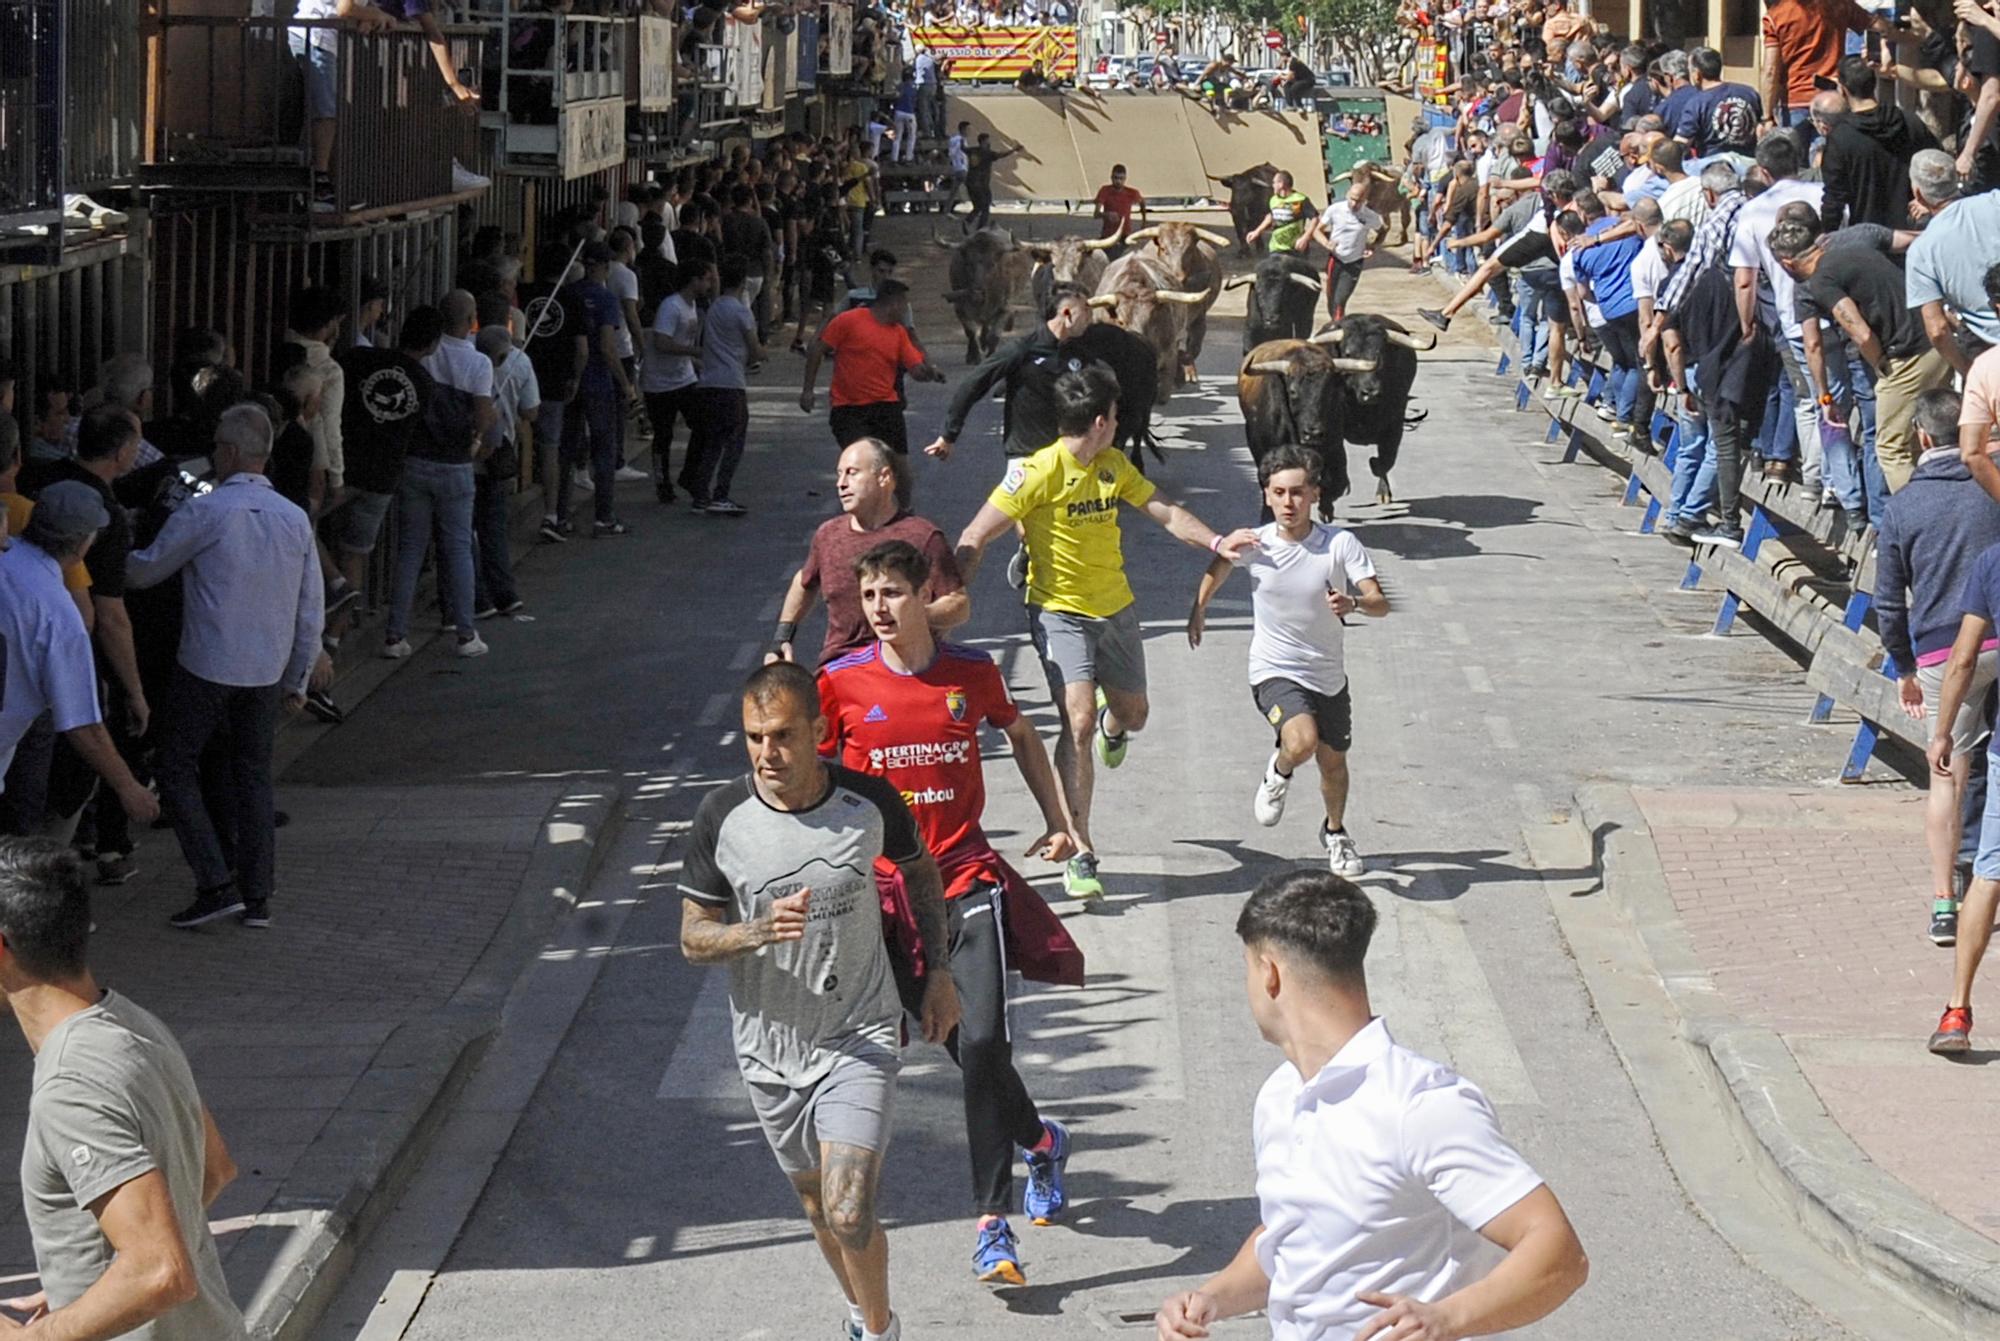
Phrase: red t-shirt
(866, 357)
(1117, 202)
(829, 568)
(920, 733)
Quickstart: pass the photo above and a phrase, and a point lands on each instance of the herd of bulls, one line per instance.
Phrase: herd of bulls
(1348, 382)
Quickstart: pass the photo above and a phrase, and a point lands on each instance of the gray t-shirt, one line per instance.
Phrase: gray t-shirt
(725, 344)
(799, 1006)
(1518, 218)
(115, 1099)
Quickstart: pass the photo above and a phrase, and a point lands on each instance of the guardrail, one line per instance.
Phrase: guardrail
(1807, 575)
(31, 113)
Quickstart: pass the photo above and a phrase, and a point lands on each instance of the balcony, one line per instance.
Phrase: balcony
(31, 115)
(232, 97)
(556, 87)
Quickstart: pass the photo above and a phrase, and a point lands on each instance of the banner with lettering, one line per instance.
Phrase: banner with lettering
(1000, 54)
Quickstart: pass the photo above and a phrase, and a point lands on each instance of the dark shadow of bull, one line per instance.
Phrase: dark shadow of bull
(1291, 393)
(1379, 363)
(1284, 290)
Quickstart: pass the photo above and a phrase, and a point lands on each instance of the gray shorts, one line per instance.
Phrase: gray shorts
(1106, 652)
(1971, 725)
(357, 523)
(853, 1104)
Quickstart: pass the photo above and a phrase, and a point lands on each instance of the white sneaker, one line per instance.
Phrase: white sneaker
(475, 646)
(631, 475)
(1342, 857)
(99, 216)
(1269, 803)
(397, 650)
(465, 179)
(579, 481)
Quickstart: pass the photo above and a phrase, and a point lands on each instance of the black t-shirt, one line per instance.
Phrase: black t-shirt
(1875, 283)
(1982, 61)
(106, 560)
(553, 325)
(747, 236)
(291, 463)
(387, 391)
(693, 248)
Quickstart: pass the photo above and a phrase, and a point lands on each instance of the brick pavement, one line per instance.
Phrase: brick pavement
(1808, 909)
(386, 898)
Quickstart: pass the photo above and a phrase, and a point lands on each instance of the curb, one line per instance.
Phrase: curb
(359, 1165)
(1843, 1200)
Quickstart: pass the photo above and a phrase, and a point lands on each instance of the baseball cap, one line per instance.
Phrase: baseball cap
(71, 507)
(595, 253)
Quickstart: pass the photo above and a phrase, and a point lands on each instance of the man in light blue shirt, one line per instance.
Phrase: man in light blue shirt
(1947, 264)
(255, 608)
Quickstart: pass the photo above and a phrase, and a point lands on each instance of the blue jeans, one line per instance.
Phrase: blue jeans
(1694, 464)
(493, 566)
(436, 502)
(227, 829)
(1461, 262)
(1534, 296)
(594, 433)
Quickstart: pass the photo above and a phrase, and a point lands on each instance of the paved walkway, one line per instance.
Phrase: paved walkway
(1808, 909)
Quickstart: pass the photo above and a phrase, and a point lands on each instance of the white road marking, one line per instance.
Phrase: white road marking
(1477, 680)
(746, 656)
(1501, 732)
(712, 710)
(1438, 595)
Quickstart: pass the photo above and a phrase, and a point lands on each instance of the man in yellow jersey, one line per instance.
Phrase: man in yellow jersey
(1080, 613)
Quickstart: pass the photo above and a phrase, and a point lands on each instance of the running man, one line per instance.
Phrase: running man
(779, 884)
(1289, 219)
(908, 709)
(1305, 577)
(1391, 1205)
(1080, 611)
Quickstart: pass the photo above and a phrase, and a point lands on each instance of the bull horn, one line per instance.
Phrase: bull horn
(1306, 281)
(1354, 365)
(1332, 337)
(1105, 300)
(1335, 181)
(1105, 243)
(1238, 281)
(1143, 235)
(1408, 341)
(1189, 297)
(1213, 238)
(1280, 367)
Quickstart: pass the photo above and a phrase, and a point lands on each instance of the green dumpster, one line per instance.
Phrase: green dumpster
(1355, 126)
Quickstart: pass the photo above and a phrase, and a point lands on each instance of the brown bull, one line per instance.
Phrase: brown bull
(990, 280)
(1188, 253)
(1138, 294)
(1071, 260)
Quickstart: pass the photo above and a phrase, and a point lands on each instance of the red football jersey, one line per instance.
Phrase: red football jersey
(921, 733)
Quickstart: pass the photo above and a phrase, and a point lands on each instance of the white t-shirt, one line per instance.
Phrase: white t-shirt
(1777, 300)
(679, 321)
(623, 282)
(955, 149)
(1349, 229)
(1566, 276)
(1375, 1174)
(1294, 635)
(1649, 272)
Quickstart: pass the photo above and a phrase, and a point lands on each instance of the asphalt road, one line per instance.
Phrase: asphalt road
(1533, 644)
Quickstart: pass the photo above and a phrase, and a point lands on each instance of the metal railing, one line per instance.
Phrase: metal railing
(31, 124)
(236, 97)
(104, 98)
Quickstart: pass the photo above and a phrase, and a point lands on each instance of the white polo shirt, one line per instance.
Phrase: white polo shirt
(1375, 1174)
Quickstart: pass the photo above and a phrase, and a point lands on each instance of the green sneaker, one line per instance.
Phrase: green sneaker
(1080, 877)
(1110, 750)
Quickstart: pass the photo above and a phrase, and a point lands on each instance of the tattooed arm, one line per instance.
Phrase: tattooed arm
(926, 890)
(707, 939)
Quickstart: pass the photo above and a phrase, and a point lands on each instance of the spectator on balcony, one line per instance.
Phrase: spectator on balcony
(51, 681)
(250, 640)
(930, 96)
(905, 110)
(593, 427)
(417, 16)
(516, 400)
(316, 43)
(49, 426)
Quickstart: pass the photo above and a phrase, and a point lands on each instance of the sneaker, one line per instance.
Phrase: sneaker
(551, 532)
(1080, 877)
(475, 646)
(727, 507)
(1565, 391)
(1110, 750)
(579, 481)
(697, 504)
(1680, 531)
(1342, 857)
(1782, 472)
(852, 1330)
(630, 475)
(1944, 920)
(1728, 537)
(324, 201)
(486, 612)
(1043, 1199)
(1606, 411)
(321, 705)
(397, 649)
(257, 916)
(115, 868)
(599, 530)
(208, 906)
(1954, 1031)
(1269, 803)
(465, 179)
(665, 493)
(1017, 569)
(1435, 317)
(343, 594)
(995, 1259)
(513, 607)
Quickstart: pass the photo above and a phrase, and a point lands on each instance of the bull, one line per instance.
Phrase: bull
(1379, 359)
(1130, 360)
(990, 278)
(1284, 290)
(1139, 295)
(1188, 253)
(1071, 260)
(1249, 200)
(1290, 392)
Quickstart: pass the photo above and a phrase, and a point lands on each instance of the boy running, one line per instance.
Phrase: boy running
(1304, 577)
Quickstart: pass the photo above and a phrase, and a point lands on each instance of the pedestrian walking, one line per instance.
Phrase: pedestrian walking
(778, 883)
(1390, 1204)
(1306, 577)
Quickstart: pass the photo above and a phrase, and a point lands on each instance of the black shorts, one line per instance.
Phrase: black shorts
(1282, 700)
(1525, 248)
(882, 419)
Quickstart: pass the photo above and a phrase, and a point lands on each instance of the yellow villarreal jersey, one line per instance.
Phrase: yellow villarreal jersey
(1070, 512)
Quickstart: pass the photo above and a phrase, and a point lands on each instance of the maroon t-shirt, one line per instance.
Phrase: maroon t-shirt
(830, 569)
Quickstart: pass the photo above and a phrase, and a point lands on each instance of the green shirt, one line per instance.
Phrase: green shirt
(1289, 216)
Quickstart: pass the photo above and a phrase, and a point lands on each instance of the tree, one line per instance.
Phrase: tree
(1362, 33)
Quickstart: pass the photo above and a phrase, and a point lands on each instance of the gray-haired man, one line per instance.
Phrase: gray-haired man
(1947, 264)
(255, 607)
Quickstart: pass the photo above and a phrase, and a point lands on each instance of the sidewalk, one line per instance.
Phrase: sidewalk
(1788, 926)
(323, 1044)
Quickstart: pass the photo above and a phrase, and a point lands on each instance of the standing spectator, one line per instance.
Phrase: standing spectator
(1604, 274)
(728, 347)
(516, 401)
(930, 96)
(1114, 203)
(1804, 41)
(48, 427)
(1766, 295)
(960, 164)
(1866, 150)
(391, 395)
(435, 497)
(558, 344)
(1947, 264)
(19, 507)
(905, 150)
(1979, 78)
(1683, 197)
(747, 237)
(249, 639)
(1926, 543)
(1694, 463)
(623, 281)
(122, 1158)
(593, 429)
(1670, 78)
(1721, 117)
(371, 313)
(979, 180)
(316, 315)
(869, 347)
(318, 51)
(666, 374)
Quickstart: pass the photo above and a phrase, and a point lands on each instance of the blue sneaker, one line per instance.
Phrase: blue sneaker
(1044, 1200)
(994, 1258)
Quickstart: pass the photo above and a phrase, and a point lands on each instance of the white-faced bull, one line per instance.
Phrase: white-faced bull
(1284, 290)
(1138, 294)
(1071, 260)
(1378, 358)
(1290, 392)
(990, 276)
(1188, 253)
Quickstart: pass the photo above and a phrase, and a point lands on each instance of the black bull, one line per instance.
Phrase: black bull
(1249, 200)
(1131, 361)
(1284, 293)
